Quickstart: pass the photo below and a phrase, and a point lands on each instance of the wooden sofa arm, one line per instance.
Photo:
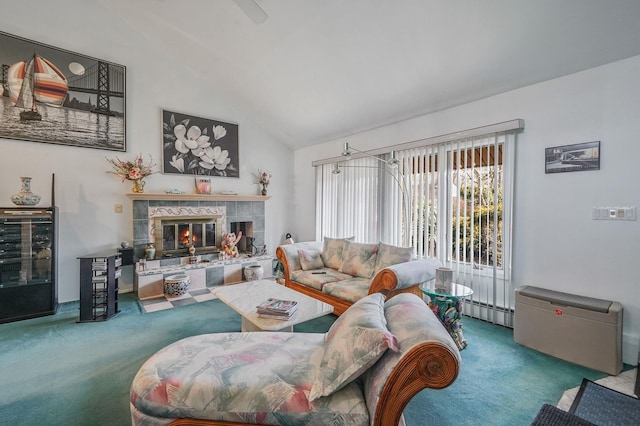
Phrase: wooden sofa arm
(404, 277)
(428, 365)
(282, 257)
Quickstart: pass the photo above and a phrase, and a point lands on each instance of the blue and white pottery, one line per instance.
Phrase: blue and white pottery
(176, 285)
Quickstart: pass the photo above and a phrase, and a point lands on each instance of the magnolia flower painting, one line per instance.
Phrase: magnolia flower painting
(199, 146)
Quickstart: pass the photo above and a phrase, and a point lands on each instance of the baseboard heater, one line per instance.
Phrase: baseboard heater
(582, 330)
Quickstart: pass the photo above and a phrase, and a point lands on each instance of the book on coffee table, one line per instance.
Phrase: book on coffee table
(276, 316)
(277, 305)
(277, 308)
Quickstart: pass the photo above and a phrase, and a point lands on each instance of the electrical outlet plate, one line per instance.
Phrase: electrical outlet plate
(614, 213)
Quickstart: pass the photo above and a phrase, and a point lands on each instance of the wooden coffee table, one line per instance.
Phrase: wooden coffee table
(244, 297)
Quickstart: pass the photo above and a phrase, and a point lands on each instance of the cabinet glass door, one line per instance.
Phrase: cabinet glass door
(25, 248)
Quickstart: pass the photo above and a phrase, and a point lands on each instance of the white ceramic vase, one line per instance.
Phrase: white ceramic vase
(253, 272)
(25, 197)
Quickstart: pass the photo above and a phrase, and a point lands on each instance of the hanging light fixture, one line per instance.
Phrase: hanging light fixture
(393, 161)
(346, 152)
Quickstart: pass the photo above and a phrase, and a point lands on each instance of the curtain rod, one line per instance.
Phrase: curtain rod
(505, 126)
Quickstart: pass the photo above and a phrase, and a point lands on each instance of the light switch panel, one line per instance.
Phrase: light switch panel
(614, 213)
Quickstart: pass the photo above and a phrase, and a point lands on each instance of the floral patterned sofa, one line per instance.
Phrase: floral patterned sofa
(339, 271)
(363, 371)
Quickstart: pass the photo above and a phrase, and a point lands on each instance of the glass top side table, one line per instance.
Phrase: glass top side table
(447, 305)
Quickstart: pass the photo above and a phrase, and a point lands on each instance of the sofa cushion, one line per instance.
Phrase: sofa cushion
(355, 341)
(391, 255)
(350, 289)
(291, 252)
(316, 279)
(332, 252)
(359, 259)
(414, 272)
(310, 259)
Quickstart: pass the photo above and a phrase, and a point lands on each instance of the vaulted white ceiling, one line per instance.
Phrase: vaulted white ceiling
(316, 70)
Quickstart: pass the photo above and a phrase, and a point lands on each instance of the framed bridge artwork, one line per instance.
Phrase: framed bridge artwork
(572, 158)
(55, 96)
(196, 146)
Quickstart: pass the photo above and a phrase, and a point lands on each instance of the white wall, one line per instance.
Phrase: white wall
(85, 194)
(556, 243)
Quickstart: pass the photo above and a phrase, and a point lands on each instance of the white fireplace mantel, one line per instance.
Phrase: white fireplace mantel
(162, 196)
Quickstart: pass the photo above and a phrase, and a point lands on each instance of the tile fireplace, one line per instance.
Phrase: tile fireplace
(176, 220)
(174, 225)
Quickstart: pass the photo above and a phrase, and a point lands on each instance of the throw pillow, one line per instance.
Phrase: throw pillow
(391, 255)
(359, 259)
(332, 252)
(310, 259)
(355, 341)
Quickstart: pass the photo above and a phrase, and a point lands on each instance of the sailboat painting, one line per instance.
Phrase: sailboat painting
(56, 96)
(33, 81)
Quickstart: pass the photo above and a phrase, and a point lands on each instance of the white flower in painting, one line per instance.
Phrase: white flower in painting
(194, 138)
(178, 163)
(180, 131)
(202, 145)
(219, 132)
(215, 157)
(198, 152)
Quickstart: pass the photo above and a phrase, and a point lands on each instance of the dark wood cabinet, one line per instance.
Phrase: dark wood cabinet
(28, 262)
(99, 274)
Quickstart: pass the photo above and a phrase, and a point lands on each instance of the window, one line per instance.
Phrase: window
(448, 199)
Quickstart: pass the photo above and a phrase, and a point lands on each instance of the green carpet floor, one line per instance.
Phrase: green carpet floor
(54, 371)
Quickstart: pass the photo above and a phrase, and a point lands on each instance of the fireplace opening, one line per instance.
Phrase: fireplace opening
(174, 235)
(245, 245)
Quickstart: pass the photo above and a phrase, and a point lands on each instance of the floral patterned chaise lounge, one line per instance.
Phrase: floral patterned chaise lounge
(339, 271)
(363, 371)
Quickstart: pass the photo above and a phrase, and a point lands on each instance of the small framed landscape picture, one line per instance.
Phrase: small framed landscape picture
(572, 158)
(196, 146)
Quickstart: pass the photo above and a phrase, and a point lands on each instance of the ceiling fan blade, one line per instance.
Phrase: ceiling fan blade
(253, 10)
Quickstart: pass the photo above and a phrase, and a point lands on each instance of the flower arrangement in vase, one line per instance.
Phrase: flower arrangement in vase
(264, 179)
(134, 171)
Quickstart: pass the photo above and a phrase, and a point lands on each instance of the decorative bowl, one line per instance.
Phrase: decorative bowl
(253, 272)
(176, 285)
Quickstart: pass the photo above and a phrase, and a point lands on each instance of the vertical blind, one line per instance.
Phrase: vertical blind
(450, 200)
(461, 193)
(348, 204)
